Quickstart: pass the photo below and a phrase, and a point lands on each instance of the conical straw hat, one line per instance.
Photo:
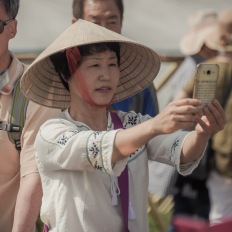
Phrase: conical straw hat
(139, 65)
(201, 24)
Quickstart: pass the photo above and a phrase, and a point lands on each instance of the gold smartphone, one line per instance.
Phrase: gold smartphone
(206, 82)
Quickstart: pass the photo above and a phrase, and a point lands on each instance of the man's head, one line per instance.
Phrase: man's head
(11, 7)
(8, 24)
(106, 13)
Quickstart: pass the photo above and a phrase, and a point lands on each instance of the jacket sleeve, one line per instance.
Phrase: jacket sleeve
(60, 145)
(167, 149)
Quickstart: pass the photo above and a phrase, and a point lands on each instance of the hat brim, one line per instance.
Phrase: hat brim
(139, 65)
(193, 41)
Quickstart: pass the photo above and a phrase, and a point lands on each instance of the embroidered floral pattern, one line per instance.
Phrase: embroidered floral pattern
(94, 154)
(96, 134)
(174, 147)
(131, 120)
(98, 167)
(66, 136)
(175, 144)
(136, 152)
(94, 150)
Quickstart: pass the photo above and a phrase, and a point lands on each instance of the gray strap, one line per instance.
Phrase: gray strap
(18, 115)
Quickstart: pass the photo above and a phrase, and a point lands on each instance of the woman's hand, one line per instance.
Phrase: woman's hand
(212, 121)
(177, 115)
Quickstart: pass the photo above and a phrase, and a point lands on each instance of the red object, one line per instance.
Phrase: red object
(225, 225)
(186, 224)
(73, 57)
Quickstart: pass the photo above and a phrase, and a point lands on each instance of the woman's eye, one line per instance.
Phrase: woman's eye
(113, 64)
(112, 22)
(94, 65)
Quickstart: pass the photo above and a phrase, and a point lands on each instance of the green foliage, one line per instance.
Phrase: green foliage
(39, 225)
(154, 226)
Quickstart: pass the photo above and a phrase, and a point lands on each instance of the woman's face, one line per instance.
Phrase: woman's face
(96, 79)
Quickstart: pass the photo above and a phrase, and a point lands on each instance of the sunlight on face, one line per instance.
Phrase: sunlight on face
(95, 80)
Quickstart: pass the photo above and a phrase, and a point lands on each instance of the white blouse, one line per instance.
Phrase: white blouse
(78, 179)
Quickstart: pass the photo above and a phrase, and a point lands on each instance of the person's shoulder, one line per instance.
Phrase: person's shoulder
(15, 60)
(55, 127)
(56, 122)
(34, 108)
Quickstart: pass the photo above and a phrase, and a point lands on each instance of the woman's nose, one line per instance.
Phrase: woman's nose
(105, 74)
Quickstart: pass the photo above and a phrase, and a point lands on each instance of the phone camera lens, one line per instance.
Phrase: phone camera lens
(208, 72)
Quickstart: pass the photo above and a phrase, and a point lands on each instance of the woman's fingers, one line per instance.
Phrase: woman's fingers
(180, 114)
(174, 109)
(214, 118)
(220, 110)
(187, 113)
(187, 101)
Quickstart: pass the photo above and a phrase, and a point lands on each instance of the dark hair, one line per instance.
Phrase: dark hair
(11, 7)
(77, 8)
(60, 62)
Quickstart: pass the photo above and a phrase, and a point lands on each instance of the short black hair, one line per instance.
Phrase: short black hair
(11, 7)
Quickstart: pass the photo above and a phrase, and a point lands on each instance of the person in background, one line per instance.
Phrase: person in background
(217, 41)
(193, 47)
(109, 14)
(88, 156)
(20, 186)
(219, 180)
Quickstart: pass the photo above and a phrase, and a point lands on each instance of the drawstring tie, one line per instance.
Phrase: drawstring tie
(115, 191)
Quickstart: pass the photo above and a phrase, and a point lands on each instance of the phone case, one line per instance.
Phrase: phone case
(206, 82)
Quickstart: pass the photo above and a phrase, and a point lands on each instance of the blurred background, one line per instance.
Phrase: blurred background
(159, 24)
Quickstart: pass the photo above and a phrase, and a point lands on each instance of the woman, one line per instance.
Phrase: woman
(94, 174)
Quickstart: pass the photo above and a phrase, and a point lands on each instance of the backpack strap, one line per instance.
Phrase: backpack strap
(17, 115)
